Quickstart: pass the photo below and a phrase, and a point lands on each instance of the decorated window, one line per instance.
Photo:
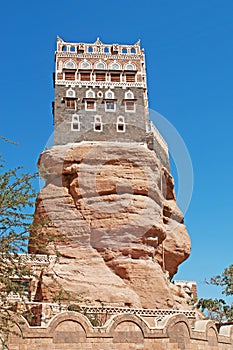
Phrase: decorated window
(115, 66)
(75, 124)
(90, 94)
(120, 124)
(70, 93)
(85, 65)
(100, 65)
(98, 125)
(129, 95)
(109, 95)
(70, 64)
(129, 66)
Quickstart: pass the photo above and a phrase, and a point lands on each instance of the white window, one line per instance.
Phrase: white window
(70, 93)
(115, 66)
(110, 106)
(100, 65)
(75, 124)
(98, 125)
(129, 95)
(130, 106)
(90, 94)
(109, 95)
(90, 105)
(129, 66)
(85, 65)
(120, 126)
(70, 64)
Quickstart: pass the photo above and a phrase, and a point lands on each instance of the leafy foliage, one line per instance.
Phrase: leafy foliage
(218, 309)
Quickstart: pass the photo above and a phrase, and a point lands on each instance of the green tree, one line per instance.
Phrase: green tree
(16, 198)
(218, 309)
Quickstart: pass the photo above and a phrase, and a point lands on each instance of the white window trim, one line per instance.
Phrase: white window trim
(98, 123)
(131, 95)
(73, 91)
(131, 64)
(100, 62)
(110, 110)
(112, 95)
(75, 122)
(120, 123)
(70, 61)
(92, 92)
(85, 61)
(90, 109)
(131, 110)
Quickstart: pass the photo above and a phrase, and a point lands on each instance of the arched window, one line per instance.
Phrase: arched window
(109, 95)
(64, 48)
(85, 65)
(115, 66)
(75, 124)
(129, 95)
(100, 65)
(133, 50)
(90, 49)
(70, 93)
(129, 66)
(70, 64)
(120, 126)
(98, 125)
(90, 94)
(106, 50)
(72, 49)
(124, 50)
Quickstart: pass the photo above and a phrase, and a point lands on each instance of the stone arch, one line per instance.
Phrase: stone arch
(115, 322)
(209, 329)
(227, 331)
(70, 316)
(178, 330)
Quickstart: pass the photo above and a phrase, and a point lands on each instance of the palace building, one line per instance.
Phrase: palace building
(101, 95)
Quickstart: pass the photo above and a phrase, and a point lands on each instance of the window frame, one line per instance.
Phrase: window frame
(96, 123)
(90, 109)
(122, 122)
(111, 110)
(130, 110)
(75, 122)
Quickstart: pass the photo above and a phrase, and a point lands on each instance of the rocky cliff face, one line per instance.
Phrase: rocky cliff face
(120, 235)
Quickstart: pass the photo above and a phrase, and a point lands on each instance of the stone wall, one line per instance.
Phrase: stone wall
(72, 330)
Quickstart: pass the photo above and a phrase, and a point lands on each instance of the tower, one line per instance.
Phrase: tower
(101, 95)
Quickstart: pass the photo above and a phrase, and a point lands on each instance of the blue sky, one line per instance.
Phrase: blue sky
(189, 53)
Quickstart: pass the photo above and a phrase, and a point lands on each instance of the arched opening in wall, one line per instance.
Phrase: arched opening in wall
(106, 50)
(72, 49)
(98, 125)
(64, 48)
(133, 50)
(75, 124)
(120, 127)
(90, 49)
(124, 50)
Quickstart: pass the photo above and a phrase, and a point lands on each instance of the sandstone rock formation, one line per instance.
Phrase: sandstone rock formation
(122, 233)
